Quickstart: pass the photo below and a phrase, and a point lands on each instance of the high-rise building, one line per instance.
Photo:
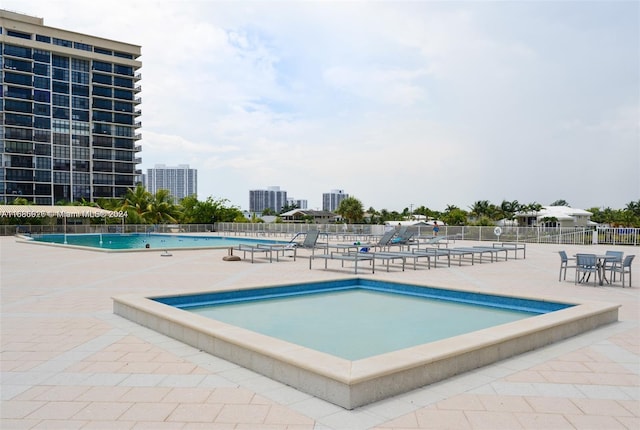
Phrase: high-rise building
(300, 204)
(332, 199)
(271, 198)
(181, 181)
(69, 115)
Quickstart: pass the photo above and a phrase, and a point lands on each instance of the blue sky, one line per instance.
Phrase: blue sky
(397, 103)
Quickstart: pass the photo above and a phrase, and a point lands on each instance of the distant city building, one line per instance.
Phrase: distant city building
(301, 204)
(181, 181)
(70, 117)
(272, 198)
(332, 199)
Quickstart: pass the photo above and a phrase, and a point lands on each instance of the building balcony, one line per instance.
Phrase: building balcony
(137, 148)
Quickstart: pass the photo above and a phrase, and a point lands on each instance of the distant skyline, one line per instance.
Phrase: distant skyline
(417, 103)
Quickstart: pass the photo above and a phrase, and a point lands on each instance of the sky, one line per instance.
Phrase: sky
(399, 104)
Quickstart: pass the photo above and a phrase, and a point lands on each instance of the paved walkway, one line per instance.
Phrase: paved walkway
(69, 363)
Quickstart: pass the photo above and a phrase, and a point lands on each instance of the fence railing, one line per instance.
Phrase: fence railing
(560, 235)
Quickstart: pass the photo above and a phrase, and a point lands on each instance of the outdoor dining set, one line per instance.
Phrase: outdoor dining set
(605, 268)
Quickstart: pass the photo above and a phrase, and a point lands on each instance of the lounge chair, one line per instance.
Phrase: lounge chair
(403, 237)
(586, 264)
(624, 268)
(310, 241)
(382, 243)
(564, 264)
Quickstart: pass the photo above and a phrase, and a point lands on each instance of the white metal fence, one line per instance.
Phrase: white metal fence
(561, 235)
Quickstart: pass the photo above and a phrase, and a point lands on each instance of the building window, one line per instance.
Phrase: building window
(103, 51)
(21, 65)
(82, 46)
(102, 79)
(60, 87)
(123, 70)
(80, 77)
(15, 78)
(60, 100)
(60, 74)
(17, 51)
(123, 82)
(61, 113)
(104, 67)
(42, 136)
(61, 151)
(80, 103)
(41, 96)
(80, 90)
(18, 93)
(42, 123)
(60, 126)
(124, 131)
(122, 106)
(41, 69)
(62, 42)
(18, 106)
(102, 91)
(19, 34)
(41, 38)
(123, 94)
(41, 109)
(102, 104)
(42, 56)
(41, 82)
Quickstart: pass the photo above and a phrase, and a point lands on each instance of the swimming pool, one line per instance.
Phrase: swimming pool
(355, 382)
(132, 241)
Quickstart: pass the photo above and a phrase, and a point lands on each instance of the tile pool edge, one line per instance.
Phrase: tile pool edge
(351, 384)
(31, 241)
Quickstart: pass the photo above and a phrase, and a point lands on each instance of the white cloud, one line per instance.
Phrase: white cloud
(397, 103)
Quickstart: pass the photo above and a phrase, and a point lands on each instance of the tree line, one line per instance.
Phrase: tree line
(143, 207)
(482, 213)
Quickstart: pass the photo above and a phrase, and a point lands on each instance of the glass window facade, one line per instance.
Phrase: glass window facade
(68, 127)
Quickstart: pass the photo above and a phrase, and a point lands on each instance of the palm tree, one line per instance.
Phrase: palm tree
(480, 209)
(351, 209)
(161, 208)
(136, 203)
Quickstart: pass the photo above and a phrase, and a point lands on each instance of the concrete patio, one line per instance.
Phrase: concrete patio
(69, 363)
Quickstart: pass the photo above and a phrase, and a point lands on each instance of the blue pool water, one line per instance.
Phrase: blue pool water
(141, 240)
(359, 318)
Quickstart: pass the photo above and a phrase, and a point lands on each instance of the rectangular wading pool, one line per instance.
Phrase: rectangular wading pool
(287, 346)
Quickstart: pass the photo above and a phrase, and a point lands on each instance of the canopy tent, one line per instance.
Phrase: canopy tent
(35, 211)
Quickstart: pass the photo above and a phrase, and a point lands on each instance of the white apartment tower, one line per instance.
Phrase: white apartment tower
(181, 181)
(332, 199)
(272, 198)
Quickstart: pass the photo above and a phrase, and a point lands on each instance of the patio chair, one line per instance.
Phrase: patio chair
(613, 258)
(623, 268)
(586, 264)
(564, 264)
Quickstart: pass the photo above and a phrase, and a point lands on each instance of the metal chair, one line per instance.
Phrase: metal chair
(613, 258)
(624, 268)
(564, 264)
(586, 264)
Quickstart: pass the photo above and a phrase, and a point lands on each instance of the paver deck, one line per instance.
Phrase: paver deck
(68, 362)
